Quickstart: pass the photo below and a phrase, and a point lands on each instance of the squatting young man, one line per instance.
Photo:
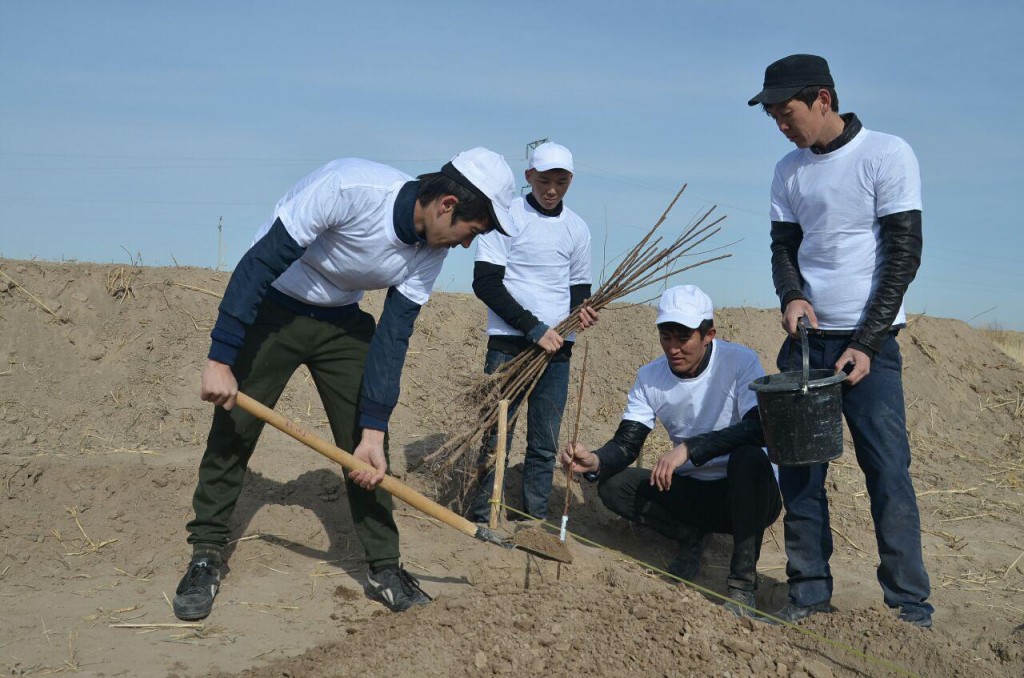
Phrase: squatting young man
(718, 477)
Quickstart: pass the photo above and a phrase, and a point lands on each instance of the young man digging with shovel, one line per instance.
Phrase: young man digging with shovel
(350, 226)
(718, 477)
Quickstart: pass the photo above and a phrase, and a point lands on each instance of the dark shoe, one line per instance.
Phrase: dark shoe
(793, 613)
(686, 565)
(396, 588)
(741, 603)
(916, 617)
(197, 589)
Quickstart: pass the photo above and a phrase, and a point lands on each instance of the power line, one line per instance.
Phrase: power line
(193, 157)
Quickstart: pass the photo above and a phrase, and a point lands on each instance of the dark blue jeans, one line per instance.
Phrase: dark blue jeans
(875, 412)
(543, 421)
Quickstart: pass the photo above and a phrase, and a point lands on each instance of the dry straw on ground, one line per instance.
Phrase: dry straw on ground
(1009, 342)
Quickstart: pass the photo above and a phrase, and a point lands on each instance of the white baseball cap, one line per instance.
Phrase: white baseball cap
(549, 156)
(488, 175)
(686, 305)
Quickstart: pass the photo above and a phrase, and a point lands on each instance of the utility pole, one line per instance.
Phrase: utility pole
(529, 151)
(220, 244)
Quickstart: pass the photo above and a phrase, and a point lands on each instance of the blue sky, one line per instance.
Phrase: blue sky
(131, 128)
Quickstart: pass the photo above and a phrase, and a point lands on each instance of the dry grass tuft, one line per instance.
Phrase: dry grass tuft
(119, 283)
(90, 545)
(1008, 341)
(72, 663)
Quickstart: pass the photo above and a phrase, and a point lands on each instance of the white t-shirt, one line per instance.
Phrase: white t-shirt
(837, 198)
(343, 213)
(716, 398)
(549, 255)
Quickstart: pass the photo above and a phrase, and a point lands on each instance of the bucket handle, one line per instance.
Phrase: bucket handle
(806, 355)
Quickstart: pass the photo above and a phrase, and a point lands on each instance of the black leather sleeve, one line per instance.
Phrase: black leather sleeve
(786, 239)
(901, 257)
(623, 449)
(489, 287)
(706, 446)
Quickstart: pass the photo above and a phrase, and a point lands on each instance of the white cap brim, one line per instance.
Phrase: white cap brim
(545, 166)
(505, 224)
(689, 320)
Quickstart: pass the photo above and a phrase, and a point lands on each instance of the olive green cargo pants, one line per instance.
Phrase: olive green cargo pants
(276, 344)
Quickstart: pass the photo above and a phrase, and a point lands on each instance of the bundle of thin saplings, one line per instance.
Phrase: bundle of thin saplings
(455, 462)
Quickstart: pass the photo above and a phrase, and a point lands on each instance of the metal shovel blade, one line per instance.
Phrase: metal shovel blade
(541, 543)
(534, 541)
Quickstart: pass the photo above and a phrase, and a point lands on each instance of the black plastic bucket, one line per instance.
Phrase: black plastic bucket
(801, 413)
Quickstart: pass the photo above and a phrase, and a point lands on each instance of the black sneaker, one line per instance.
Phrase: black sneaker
(396, 588)
(793, 613)
(197, 589)
(692, 543)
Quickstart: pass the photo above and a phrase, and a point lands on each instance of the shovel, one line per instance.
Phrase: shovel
(389, 484)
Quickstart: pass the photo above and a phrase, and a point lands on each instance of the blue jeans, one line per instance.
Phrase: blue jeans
(875, 412)
(543, 421)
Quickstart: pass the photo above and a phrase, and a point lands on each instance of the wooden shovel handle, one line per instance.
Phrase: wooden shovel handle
(390, 484)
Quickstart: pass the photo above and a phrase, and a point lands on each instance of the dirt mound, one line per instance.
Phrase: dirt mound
(101, 430)
(614, 625)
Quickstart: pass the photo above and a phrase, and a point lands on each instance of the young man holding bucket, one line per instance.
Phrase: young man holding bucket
(351, 225)
(530, 283)
(718, 477)
(846, 243)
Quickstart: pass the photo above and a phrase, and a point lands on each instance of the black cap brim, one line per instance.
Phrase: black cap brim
(775, 95)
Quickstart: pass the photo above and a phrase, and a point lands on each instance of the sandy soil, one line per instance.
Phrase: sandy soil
(101, 430)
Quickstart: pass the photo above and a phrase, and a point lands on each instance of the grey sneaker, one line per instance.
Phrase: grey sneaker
(740, 602)
(793, 613)
(396, 588)
(743, 604)
(197, 589)
(692, 543)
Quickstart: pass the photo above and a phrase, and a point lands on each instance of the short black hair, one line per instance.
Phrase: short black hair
(684, 332)
(808, 95)
(471, 206)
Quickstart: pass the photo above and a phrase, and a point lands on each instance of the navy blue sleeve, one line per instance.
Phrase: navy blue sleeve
(267, 259)
(383, 372)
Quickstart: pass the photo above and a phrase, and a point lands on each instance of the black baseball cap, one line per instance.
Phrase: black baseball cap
(784, 79)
